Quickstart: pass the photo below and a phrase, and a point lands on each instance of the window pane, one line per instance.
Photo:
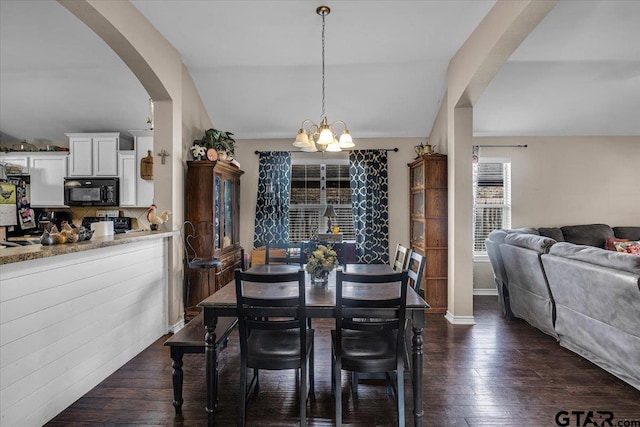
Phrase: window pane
(487, 220)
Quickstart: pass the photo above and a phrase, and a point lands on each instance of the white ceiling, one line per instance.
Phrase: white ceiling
(257, 67)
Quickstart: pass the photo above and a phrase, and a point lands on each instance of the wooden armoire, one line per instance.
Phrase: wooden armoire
(428, 225)
(213, 195)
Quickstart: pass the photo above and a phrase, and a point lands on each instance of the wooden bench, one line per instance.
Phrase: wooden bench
(190, 339)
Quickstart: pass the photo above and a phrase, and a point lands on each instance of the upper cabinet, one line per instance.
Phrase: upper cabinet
(136, 189)
(47, 171)
(93, 154)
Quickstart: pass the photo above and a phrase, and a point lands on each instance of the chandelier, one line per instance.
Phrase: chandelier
(323, 135)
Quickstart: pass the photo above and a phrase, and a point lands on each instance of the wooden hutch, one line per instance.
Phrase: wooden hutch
(428, 225)
(213, 195)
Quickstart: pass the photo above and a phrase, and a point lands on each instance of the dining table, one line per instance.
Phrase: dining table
(320, 303)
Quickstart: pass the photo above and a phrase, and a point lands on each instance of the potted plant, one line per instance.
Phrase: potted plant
(219, 140)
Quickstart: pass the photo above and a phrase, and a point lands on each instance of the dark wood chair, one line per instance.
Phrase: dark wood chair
(273, 333)
(198, 240)
(284, 253)
(400, 258)
(415, 268)
(371, 346)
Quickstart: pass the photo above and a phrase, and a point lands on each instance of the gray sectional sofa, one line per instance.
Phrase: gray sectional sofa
(563, 282)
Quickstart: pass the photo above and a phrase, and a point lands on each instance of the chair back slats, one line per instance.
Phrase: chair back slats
(400, 258)
(293, 253)
(198, 240)
(415, 268)
(257, 308)
(393, 318)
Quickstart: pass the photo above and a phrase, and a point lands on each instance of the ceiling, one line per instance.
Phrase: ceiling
(257, 67)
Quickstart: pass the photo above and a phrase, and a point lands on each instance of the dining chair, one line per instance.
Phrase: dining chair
(198, 241)
(285, 253)
(415, 268)
(372, 346)
(273, 333)
(400, 258)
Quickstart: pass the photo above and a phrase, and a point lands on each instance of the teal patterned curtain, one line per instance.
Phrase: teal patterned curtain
(272, 207)
(369, 199)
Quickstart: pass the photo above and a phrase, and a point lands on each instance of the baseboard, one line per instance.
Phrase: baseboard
(176, 326)
(486, 291)
(459, 320)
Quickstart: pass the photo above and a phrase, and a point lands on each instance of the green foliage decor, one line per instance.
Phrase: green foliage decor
(220, 140)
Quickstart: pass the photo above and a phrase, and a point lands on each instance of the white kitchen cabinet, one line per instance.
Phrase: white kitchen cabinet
(143, 143)
(16, 159)
(47, 172)
(93, 154)
(127, 167)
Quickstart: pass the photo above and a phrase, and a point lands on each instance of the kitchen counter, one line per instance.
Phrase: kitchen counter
(29, 252)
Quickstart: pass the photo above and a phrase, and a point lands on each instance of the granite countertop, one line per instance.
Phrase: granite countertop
(10, 255)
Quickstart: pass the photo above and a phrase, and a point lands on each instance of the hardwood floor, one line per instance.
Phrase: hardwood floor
(496, 373)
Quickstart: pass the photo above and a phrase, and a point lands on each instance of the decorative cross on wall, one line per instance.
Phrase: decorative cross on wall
(163, 153)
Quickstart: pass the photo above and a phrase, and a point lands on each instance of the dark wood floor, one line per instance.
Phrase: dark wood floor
(496, 373)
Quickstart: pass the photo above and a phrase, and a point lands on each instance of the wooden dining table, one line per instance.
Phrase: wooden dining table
(321, 303)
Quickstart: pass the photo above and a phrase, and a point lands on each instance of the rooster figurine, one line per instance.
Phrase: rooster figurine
(155, 220)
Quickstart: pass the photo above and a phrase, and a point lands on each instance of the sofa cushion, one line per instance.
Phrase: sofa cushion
(631, 233)
(589, 234)
(553, 232)
(629, 247)
(499, 235)
(539, 244)
(597, 256)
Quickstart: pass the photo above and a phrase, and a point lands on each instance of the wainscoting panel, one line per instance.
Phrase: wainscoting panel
(68, 322)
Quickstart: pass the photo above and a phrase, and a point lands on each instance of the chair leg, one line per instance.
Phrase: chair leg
(354, 383)
(338, 391)
(400, 393)
(243, 395)
(312, 386)
(302, 381)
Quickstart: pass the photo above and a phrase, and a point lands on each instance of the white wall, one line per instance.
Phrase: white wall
(397, 170)
(68, 322)
(568, 180)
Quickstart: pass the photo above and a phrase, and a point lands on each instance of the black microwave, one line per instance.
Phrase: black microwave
(91, 191)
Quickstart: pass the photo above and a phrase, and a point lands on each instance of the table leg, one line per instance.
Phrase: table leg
(417, 341)
(211, 357)
(177, 377)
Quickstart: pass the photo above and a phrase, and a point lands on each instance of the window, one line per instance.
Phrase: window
(314, 186)
(492, 200)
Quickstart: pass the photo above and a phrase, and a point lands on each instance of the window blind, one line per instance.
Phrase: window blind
(313, 187)
(492, 200)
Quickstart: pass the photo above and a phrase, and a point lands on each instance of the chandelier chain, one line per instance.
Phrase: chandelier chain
(322, 67)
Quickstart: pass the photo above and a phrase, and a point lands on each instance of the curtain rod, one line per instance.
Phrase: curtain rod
(314, 152)
(512, 146)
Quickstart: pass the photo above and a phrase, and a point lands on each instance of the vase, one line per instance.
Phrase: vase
(320, 279)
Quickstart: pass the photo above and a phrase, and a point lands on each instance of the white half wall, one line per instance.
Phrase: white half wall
(68, 322)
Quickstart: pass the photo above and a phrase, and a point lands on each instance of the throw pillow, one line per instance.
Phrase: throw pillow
(609, 244)
(631, 247)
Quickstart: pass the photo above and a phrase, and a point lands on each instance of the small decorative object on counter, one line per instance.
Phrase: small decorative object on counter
(155, 220)
(146, 166)
(320, 263)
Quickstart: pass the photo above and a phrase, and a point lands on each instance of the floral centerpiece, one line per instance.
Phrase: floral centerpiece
(320, 262)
